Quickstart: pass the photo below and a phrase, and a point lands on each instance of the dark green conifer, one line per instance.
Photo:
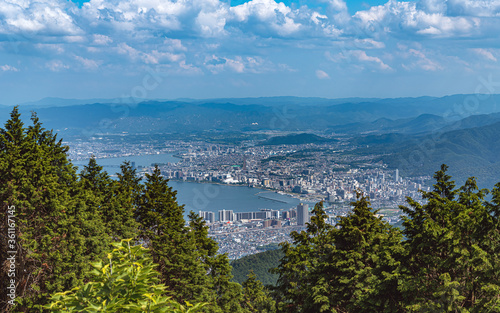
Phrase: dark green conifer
(299, 288)
(363, 261)
(52, 224)
(113, 200)
(227, 294)
(256, 297)
(452, 253)
(351, 268)
(173, 247)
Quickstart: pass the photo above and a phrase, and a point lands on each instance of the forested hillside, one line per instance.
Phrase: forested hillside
(260, 264)
(81, 242)
(468, 152)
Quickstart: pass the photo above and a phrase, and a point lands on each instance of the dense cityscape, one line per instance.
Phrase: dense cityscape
(308, 172)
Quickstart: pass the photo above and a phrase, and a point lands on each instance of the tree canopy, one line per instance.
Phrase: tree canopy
(60, 225)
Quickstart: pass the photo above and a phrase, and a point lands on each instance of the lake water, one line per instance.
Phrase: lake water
(212, 197)
(204, 196)
(112, 165)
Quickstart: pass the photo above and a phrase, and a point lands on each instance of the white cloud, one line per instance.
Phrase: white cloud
(278, 16)
(259, 36)
(417, 59)
(485, 53)
(56, 66)
(87, 63)
(51, 18)
(8, 68)
(55, 48)
(153, 57)
(482, 8)
(338, 5)
(123, 48)
(173, 45)
(322, 75)
(368, 43)
(397, 16)
(240, 64)
(211, 24)
(363, 57)
(432, 6)
(102, 40)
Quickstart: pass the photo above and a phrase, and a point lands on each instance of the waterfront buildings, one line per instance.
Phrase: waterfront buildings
(302, 214)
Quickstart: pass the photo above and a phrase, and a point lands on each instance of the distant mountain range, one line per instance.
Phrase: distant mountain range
(352, 116)
(415, 135)
(468, 152)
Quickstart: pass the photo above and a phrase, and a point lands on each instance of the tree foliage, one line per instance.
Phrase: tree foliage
(445, 258)
(345, 269)
(57, 233)
(256, 298)
(260, 264)
(452, 249)
(127, 282)
(65, 220)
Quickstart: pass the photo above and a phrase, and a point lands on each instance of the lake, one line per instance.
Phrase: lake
(205, 196)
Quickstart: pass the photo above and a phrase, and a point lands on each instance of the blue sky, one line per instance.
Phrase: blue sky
(210, 48)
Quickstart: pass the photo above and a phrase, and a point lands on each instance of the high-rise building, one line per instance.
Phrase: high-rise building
(207, 216)
(396, 177)
(262, 215)
(226, 216)
(244, 216)
(302, 214)
(275, 214)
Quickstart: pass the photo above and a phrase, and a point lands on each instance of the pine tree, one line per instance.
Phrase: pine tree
(51, 217)
(125, 193)
(113, 200)
(173, 247)
(351, 268)
(299, 288)
(451, 249)
(227, 295)
(363, 261)
(256, 297)
(94, 186)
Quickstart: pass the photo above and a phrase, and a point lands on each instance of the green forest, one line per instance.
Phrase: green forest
(82, 242)
(260, 264)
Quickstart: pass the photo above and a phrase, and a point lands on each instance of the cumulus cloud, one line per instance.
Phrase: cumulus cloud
(257, 13)
(210, 36)
(51, 18)
(409, 17)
